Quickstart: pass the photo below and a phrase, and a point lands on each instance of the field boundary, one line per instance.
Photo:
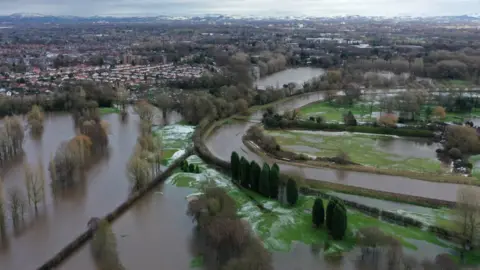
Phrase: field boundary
(430, 177)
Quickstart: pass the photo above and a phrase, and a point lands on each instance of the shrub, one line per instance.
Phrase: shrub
(197, 169)
(319, 119)
(330, 206)
(318, 213)
(273, 181)
(235, 163)
(464, 138)
(339, 222)
(264, 180)
(245, 172)
(184, 166)
(349, 119)
(388, 120)
(455, 153)
(292, 192)
(191, 168)
(255, 171)
(439, 112)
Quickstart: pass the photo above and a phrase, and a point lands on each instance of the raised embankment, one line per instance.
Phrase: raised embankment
(208, 126)
(78, 242)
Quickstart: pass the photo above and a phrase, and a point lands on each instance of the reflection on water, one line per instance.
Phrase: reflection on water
(295, 75)
(65, 215)
(154, 234)
(228, 138)
(408, 147)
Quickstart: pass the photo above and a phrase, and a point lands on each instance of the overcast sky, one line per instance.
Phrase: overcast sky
(242, 7)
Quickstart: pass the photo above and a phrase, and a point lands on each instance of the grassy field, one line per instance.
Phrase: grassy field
(108, 110)
(284, 226)
(281, 228)
(334, 113)
(360, 148)
(173, 138)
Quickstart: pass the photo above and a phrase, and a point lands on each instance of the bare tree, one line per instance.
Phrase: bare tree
(11, 138)
(35, 120)
(121, 97)
(138, 171)
(35, 184)
(17, 207)
(467, 215)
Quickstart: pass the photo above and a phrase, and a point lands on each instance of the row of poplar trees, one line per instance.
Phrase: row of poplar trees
(263, 180)
(335, 218)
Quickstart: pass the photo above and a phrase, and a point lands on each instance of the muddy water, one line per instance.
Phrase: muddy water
(65, 215)
(295, 75)
(154, 234)
(228, 138)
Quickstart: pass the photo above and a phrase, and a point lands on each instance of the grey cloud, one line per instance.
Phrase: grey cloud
(242, 7)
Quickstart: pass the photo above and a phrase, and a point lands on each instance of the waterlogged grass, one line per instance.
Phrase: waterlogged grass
(282, 226)
(334, 113)
(361, 148)
(108, 110)
(174, 139)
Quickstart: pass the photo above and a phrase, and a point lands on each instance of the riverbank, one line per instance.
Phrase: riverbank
(282, 226)
(333, 162)
(324, 185)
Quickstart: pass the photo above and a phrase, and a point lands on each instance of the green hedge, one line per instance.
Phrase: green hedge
(361, 129)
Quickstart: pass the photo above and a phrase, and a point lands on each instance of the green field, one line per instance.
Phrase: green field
(334, 113)
(284, 226)
(108, 110)
(174, 138)
(281, 228)
(361, 148)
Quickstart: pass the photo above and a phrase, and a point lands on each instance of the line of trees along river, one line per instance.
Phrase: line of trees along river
(107, 186)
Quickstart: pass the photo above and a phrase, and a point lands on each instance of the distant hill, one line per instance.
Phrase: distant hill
(32, 18)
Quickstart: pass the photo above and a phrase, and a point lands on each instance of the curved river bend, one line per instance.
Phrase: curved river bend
(228, 138)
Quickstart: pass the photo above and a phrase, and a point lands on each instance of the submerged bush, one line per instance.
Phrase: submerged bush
(35, 120)
(104, 247)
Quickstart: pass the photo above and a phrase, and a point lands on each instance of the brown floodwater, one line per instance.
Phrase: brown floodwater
(157, 234)
(65, 215)
(228, 138)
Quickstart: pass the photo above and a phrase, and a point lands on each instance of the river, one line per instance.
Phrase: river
(295, 75)
(156, 231)
(228, 138)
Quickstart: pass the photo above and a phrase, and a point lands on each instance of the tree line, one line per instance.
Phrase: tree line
(265, 180)
(146, 160)
(65, 98)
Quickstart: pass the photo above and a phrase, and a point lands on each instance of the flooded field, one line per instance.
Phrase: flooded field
(293, 75)
(65, 214)
(228, 138)
(157, 230)
(382, 151)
